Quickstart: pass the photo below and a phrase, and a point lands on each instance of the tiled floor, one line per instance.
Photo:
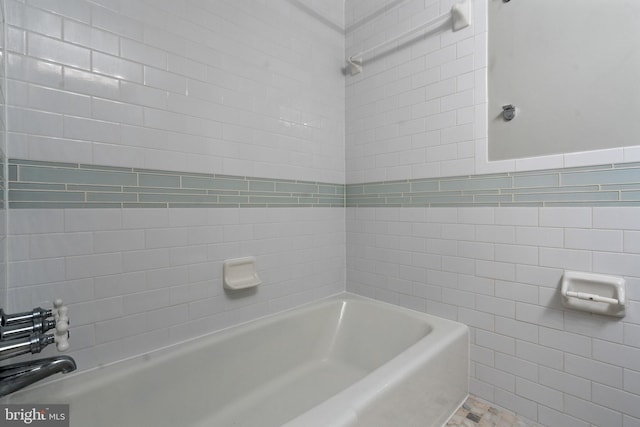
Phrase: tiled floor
(478, 413)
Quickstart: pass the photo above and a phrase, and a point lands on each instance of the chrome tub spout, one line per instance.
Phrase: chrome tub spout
(16, 376)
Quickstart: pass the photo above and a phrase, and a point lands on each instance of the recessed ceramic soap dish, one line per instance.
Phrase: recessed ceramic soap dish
(595, 293)
(240, 273)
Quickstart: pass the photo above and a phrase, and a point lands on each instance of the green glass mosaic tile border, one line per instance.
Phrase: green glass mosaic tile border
(36, 185)
(604, 185)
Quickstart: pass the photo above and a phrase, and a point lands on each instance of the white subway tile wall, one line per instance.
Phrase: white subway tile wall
(137, 279)
(501, 276)
(416, 236)
(256, 89)
(419, 108)
(230, 89)
(410, 113)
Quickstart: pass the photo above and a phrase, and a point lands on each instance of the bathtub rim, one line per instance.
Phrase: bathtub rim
(200, 340)
(343, 409)
(368, 386)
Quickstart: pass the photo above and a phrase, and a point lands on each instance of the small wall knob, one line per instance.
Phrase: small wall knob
(508, 112)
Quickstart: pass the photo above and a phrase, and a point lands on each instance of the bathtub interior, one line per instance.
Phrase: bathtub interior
(259, 374)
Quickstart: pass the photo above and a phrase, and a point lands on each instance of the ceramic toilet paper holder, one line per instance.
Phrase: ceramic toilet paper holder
(595, 293)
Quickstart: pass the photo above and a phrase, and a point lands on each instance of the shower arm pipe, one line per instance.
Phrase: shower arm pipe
(460, 14)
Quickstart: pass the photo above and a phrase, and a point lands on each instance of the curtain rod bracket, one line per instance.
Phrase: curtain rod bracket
(355, 65)
(461, 15)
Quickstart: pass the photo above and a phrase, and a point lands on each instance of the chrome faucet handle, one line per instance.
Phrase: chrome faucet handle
(33, 316)
(23, 333)
(25, 329)
(25, 317)
(32, 344)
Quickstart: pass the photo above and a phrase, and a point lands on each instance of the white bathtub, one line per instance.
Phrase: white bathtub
(343, 361)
